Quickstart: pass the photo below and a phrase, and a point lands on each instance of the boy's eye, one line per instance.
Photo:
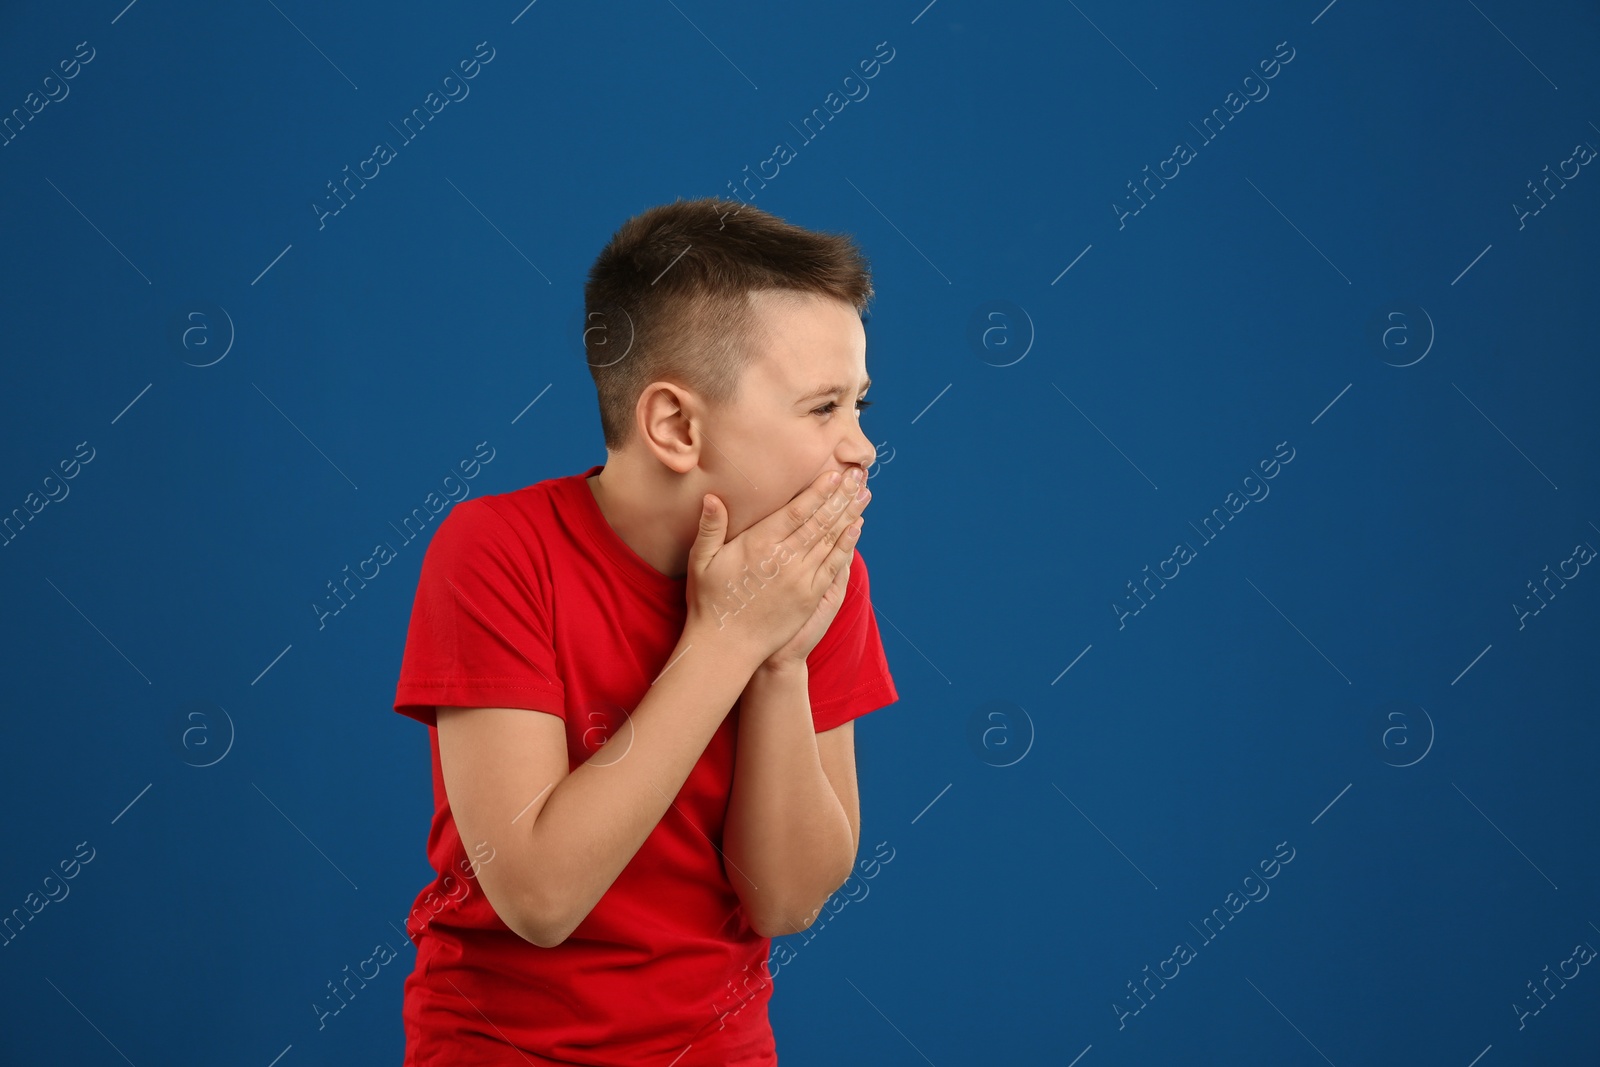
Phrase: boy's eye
(827, 409)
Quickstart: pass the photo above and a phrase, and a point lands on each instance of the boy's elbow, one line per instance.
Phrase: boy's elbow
(540, 922)
(782, 924)
(540, 933)
(544, 939)
(774, 927)
(783, 921)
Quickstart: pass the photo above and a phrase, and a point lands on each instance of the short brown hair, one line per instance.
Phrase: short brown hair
(669, 298)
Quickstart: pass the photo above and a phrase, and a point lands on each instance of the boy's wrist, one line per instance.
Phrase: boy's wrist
(781, 671)
(725, 642)
(771, 678)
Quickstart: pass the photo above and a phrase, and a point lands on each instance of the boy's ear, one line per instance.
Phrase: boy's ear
(666, 417)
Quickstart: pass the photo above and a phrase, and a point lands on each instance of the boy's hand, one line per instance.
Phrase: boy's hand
(776, 588)
(794, 653)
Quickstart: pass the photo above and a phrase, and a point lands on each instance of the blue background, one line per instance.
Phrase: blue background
(1342, 669)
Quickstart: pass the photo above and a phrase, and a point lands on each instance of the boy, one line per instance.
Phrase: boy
(641, 679)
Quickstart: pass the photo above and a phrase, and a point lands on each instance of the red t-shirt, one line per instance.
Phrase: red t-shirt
(529, 599)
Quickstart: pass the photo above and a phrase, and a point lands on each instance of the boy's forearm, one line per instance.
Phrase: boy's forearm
(787, 837)
(598, 817)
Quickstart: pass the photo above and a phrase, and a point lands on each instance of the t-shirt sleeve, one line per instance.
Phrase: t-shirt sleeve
(847, 671)
(480, 630)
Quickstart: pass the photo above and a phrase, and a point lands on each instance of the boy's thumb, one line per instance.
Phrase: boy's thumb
(712, 523)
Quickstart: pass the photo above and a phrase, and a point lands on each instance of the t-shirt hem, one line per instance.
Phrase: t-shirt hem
(419, 700)
(870, 697)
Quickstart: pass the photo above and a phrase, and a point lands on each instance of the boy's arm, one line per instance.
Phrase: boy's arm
(793, 823)
(568, 843)
(568, 836)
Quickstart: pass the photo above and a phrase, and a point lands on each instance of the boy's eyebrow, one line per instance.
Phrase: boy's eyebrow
(831, 390)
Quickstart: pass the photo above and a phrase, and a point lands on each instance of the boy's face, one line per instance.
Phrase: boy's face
(777, 435)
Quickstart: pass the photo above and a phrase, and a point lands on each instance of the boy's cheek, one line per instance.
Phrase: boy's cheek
(749, 506)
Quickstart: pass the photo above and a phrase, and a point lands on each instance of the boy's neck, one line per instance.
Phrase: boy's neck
(641, 509)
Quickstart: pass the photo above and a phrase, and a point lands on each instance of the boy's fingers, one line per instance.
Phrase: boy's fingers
(798, 511)
(840, 536)
(844, 546)
(834, 525)
(841, 577)
(823, 502)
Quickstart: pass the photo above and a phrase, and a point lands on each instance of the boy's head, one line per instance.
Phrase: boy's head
(710, 328)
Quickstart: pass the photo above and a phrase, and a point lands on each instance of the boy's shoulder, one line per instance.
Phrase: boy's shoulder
(529, 512)
(529, 503)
